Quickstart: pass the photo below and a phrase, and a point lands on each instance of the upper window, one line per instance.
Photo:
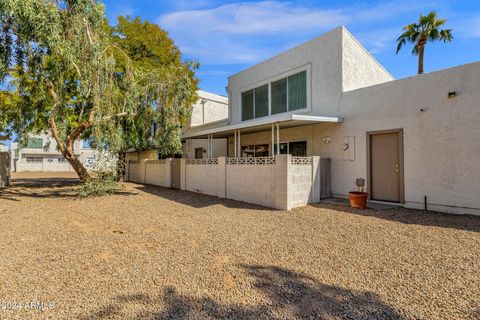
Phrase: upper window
(286, 94)
(35, 143)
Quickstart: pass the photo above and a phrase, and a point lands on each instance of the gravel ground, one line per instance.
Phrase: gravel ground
(153, 253)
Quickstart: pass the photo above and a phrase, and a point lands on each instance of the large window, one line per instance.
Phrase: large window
(261, 102)
(297, 91)
(35, 143)
(295, 148)
(279, 96)
(286, 94)
(247, 105)
(259, 150)
(34, 159)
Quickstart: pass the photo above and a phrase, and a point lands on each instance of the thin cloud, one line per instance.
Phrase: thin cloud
(248, 32)
(467, 28)
(253, 18)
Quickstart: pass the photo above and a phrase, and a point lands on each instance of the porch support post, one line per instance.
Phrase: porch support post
(210, 145)
(239, 145)
(189, 148)
(278, 139)
(235, 143)
(272, 152)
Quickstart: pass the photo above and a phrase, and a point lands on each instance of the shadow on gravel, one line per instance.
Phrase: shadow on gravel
(196, 200)
(291, 295)
(415, 217)
(42, 188)
(39, 188)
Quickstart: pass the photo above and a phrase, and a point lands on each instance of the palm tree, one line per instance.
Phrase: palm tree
(426, 29)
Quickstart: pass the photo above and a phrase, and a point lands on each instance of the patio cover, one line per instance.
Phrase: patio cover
(258, 125)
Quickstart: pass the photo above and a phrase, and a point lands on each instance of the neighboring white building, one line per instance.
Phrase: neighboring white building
(415, 141)
(41, 154)
(210, 109)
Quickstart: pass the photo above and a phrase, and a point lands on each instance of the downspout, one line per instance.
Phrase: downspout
(229, 105)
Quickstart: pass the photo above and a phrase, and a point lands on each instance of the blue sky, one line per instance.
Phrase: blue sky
(228, 36)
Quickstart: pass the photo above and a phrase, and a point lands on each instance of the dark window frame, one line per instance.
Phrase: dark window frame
(251, 93)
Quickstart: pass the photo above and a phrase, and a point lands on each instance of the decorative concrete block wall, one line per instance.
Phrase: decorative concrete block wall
(281, 182)
(251, 180)
(201, 176)
(299, 182)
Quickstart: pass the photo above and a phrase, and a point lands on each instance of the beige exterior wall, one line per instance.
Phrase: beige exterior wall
(441, 144)
(219, 147)
(142, 155)
(303, 133)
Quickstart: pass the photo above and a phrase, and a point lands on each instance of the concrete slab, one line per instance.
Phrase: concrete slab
(370, 204)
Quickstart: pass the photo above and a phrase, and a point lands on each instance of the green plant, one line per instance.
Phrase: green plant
(102, 183)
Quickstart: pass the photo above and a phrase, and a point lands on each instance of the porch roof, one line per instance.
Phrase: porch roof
(262, 124)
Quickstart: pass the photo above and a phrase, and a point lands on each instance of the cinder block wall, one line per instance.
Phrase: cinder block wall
(282, 182)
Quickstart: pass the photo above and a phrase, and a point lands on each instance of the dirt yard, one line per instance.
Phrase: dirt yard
(153, 253)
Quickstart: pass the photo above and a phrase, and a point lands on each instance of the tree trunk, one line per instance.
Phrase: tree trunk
(121, 166)
(421, 53)
(77, 165)
(67, 148)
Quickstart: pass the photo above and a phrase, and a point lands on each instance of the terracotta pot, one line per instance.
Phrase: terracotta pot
(358, 199)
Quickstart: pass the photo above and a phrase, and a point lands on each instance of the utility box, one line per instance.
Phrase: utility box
(4, 169)
(325, 178)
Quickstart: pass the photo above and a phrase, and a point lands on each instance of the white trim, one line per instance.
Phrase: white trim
(281, 117)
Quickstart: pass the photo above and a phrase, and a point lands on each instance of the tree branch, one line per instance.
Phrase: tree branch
(51, 117)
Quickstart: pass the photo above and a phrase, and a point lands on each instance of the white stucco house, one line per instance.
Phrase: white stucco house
(210, 108)
(415, 141)
(41, 154)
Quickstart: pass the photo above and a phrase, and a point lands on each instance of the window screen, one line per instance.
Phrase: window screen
(279, 96)
(247, 105)
(297, 91)
(298, 148)
(261, 101)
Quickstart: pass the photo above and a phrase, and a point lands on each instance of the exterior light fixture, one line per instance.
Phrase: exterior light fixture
(327, 140)
(452, 94)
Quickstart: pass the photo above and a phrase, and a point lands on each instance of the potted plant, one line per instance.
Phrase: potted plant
(358, 199)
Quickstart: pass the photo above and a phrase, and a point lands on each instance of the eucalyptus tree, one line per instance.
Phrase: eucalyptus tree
(63, 72)
(427, 29)
(56, 57)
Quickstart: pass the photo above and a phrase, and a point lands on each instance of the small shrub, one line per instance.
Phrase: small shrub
(101, 184)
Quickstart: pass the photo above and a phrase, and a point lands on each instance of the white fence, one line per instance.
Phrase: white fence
(281, 182)
(154, 172)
